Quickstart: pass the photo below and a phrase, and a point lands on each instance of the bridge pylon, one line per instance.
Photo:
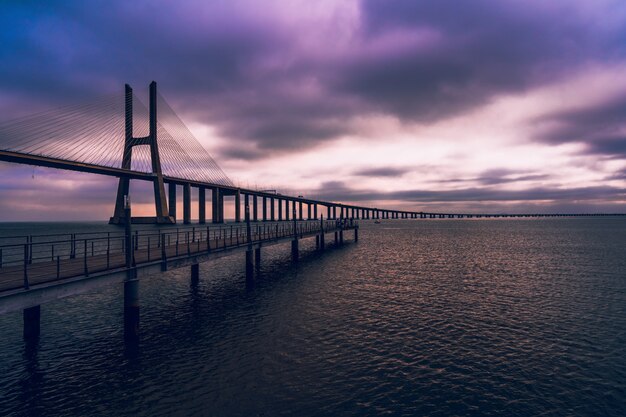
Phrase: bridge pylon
(162, 213)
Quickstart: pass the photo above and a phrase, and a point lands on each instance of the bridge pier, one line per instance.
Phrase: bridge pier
(201, 205)
(217, 206)
(315, 211)
(238, 206)
(286, 210)
(308, 211)
(272, 204)
(187, 203)
(264, 208)
(280, 209)
(255, 208)
(300, 211)
(171, 188)
(32, 324)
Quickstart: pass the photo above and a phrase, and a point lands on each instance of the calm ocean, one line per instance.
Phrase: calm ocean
(430, 317)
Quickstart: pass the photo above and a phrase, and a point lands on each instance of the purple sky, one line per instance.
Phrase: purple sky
(492, 106)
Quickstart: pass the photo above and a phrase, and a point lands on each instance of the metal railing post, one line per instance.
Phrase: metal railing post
(26, 286)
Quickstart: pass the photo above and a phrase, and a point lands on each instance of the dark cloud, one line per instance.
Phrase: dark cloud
(340, 191)
(601, 127)
(498, 176)
(469, 52)
(381, 172)
(220, 63)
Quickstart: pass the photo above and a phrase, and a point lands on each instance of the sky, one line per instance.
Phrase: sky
(444, 105)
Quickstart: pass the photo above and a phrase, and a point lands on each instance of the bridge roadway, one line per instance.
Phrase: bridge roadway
(263, 202)
(39, 271)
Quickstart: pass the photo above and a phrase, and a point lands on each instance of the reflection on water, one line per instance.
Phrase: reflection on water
(445, 317)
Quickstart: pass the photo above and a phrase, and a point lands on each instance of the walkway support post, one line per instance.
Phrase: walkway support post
(195, 274)
(322, 232)
(131, 284)
(249, 253)
(295, 255)
(32, 324)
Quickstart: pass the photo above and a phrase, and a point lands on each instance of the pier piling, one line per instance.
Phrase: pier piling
(32, 319)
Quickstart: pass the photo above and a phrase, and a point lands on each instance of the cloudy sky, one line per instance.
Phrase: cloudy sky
(455, 105)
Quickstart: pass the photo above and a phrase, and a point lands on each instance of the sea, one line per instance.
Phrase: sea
(437, 317)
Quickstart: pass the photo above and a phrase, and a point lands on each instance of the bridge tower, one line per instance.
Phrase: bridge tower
(162, 214)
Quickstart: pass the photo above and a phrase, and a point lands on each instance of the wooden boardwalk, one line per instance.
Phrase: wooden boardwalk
(15, 277)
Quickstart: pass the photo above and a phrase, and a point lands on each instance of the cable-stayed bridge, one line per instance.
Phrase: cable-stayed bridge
(125, 139)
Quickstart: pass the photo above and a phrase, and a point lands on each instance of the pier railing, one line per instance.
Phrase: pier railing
(33, 259)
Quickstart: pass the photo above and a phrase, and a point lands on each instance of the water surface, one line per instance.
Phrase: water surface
(429, 317)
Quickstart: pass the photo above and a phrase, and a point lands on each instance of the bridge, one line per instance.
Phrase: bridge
(124, 139)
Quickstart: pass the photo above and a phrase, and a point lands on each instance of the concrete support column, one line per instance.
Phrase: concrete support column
(286, 209)
(264, 208)
(215, 202)
(300, 210)
(280, 209)
(171, 187)
(237, 206)
(329, 214)
(334, 213)
(272, 218)
(255, 208)
(308, 206)
(32, 324)
(187, 203)
(220, 206)
(201, 205)
(315, 211)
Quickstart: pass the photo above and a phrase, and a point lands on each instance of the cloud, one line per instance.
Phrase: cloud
(381, 172)
(280, 79)
(338, 190)
(499, 176)
(600, 126)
